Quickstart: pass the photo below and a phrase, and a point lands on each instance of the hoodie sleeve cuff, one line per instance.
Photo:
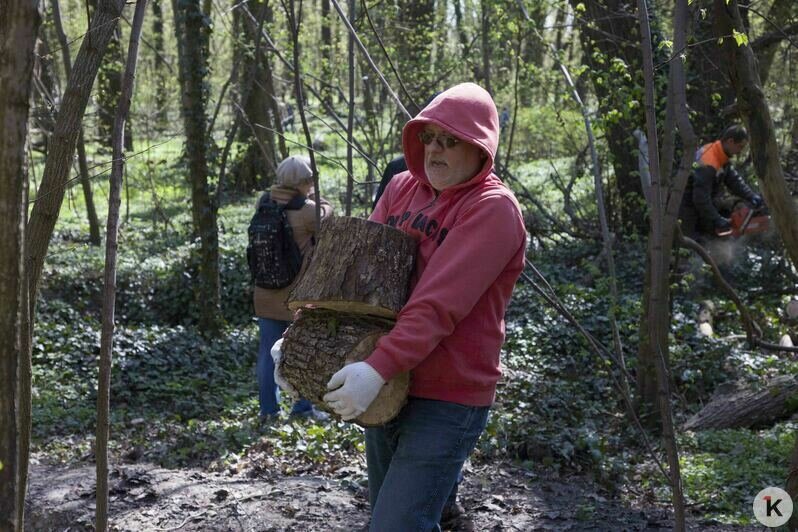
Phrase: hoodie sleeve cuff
(384, 364)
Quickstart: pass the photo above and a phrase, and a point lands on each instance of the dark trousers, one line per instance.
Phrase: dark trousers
(414, 462)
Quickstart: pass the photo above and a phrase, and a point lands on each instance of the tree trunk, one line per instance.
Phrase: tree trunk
(109, 286)
(780, 10)
(327, 71)
(485, 33)
(655, 319)
(320, 342)
(62, 144)
(610, 50)
(659, 250)
(255, 170)
(350, 117)
(192, 35)
(109, 87)
(161, 95)
(91, 212)
(45, 84)
(18, 28)
(414, 46)
(357, 266)
(748, 407)
(741, 64)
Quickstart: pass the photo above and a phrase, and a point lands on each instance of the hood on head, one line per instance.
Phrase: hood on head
(468, 112)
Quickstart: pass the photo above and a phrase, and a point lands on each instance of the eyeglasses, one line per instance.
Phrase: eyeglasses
(444, 141)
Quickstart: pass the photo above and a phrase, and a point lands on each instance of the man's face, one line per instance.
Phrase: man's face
(447, 166)
(733, 148)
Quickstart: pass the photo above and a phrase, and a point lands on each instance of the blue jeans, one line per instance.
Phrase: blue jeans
(414, 462)
(268, 393)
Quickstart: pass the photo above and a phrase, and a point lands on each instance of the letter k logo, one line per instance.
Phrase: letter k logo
(772, 507)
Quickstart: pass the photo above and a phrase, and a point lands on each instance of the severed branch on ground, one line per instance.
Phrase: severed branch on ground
(752, 329)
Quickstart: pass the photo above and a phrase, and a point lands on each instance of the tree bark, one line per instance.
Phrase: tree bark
(192, 35)
(91, 212)
(109, 286)
(357, 266)
(744, 77)
(18, 28)
(320, 342)
(747, 407)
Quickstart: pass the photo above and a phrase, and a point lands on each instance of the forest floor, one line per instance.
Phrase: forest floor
(497, 496)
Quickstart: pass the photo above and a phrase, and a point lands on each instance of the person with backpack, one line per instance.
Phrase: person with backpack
(280, 234)
(471, 249)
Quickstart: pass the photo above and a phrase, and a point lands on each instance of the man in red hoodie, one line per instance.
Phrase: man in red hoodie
(471, 244)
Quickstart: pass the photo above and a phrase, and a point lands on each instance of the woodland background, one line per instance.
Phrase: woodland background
(127, 300)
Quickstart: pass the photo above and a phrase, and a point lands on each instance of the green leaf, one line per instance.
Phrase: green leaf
(740, 38)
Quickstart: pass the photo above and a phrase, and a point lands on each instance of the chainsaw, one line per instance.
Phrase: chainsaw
(747, 221)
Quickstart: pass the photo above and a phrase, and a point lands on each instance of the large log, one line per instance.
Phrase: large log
(745, 406)
(320, 342)
(357, 266)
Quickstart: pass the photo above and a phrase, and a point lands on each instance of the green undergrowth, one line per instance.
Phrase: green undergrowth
(179, 399)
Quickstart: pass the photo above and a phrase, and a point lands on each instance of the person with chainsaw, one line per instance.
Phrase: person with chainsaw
(471, 250)
(293, 190)
(699, 212)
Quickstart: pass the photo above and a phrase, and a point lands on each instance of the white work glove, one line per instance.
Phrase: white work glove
(355, 387)
(277, 354)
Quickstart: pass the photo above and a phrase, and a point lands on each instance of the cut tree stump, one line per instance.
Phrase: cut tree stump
(744, 406)
(357, 266)
(320, 342)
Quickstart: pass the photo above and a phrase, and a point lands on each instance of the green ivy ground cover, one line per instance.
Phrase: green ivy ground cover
(179, 399)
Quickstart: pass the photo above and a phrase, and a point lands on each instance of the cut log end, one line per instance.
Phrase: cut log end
(320, 342)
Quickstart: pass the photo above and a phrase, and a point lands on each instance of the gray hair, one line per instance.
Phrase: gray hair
(294, 171)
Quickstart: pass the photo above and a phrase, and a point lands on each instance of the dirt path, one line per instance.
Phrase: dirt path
(144, 497)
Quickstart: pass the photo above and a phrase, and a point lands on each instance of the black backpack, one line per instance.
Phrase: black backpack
(272, 254)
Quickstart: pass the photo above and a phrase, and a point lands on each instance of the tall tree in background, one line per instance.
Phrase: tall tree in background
(83, 165)
(327, 65)
(109, 88)
(65, 135)
(610, 38)
(416, 27)
(161, 95)
(258, 161)
(740, 64)
(709, 94)
(192, 33)
(109, 280)
(18, 28)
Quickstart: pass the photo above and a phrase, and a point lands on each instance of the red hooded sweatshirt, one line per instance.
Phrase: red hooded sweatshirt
(471, 243)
